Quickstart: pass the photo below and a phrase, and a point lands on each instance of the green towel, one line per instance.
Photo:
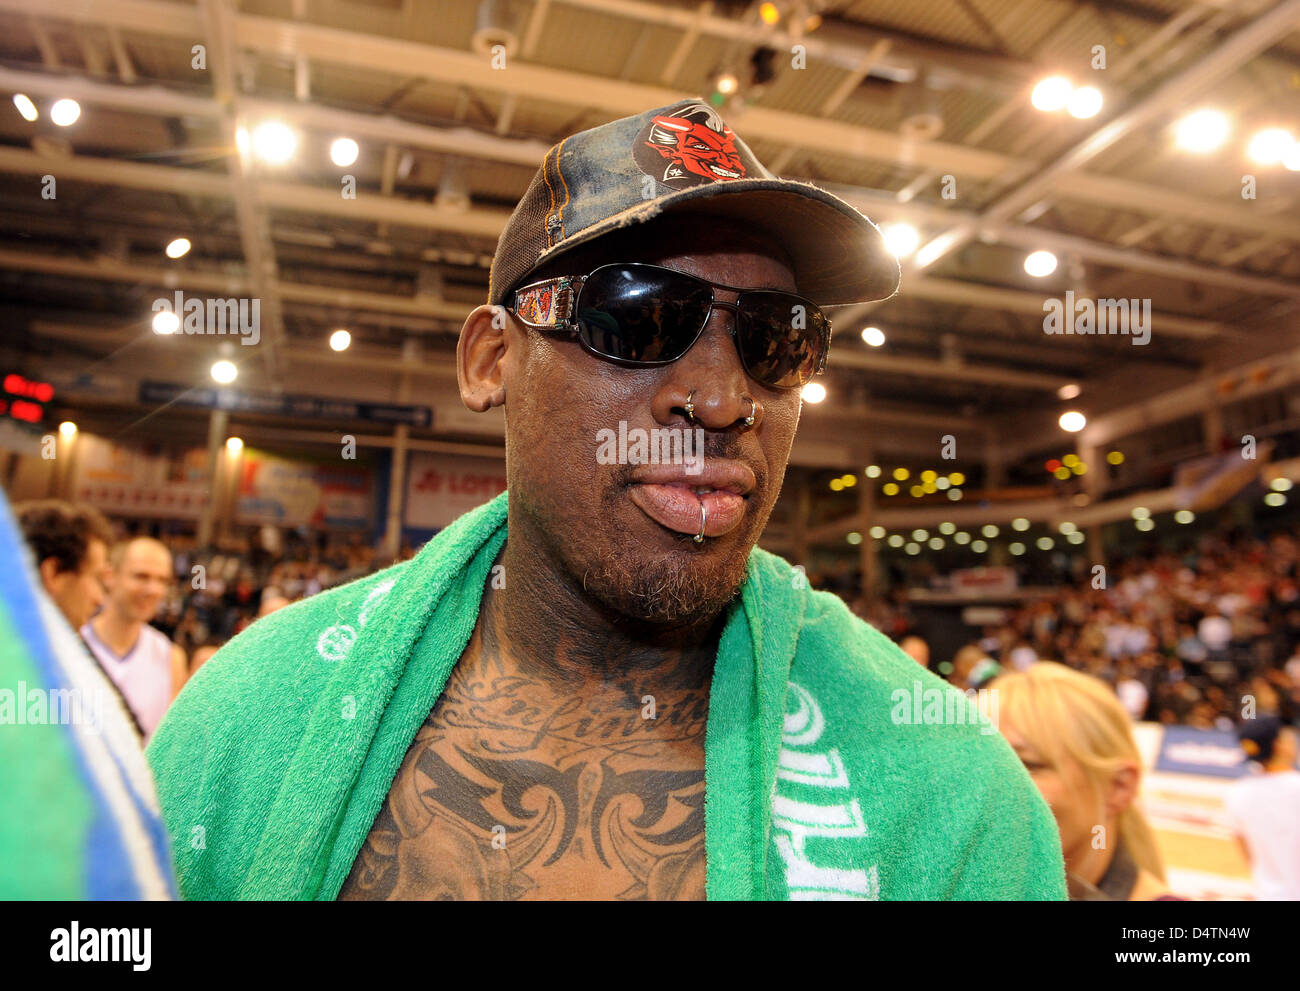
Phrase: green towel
(822, 779)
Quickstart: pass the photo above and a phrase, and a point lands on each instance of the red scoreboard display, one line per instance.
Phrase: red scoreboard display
(24, 399)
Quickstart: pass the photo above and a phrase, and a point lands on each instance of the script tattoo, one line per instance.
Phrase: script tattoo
(513, 788)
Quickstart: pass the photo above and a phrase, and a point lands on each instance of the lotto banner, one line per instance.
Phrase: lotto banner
(440, 488)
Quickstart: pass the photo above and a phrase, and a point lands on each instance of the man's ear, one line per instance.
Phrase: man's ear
(49, 569)
(480, 358)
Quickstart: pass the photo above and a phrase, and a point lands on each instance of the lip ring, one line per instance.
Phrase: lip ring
(704, 521)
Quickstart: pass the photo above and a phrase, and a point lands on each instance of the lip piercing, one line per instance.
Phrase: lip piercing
(689, 406)
(704, 518)
(753, 411)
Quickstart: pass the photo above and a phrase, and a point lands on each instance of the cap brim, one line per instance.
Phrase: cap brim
(839, 256)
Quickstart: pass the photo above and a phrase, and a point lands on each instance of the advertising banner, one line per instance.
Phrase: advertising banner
(304, 492)
(440, 487)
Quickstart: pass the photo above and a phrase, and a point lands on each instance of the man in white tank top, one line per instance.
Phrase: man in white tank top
(147, 668)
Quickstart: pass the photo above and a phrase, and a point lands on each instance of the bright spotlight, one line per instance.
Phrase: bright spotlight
(1202, 131)
(1084, 102)
(178, 248)
(1070, 390)
(68, 429)
(166, 322)
(344, 151)
(874, 336)
(814, 392)
(274, 142)
(1072, 421)
(727, 84)
(1270, 146)
(1051, 94)
(234, 445)
(901, 239)
(25, 106)
(1040, 264)
(340, 339)
(224, 372)
(65, 112)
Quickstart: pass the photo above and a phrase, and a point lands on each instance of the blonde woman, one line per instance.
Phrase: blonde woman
(1077, 744)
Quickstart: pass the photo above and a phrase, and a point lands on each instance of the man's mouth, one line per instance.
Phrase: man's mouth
(680, 502)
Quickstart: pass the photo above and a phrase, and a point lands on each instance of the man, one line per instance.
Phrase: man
(526, 717)
(1264, 808)
(70, 544)
(147, 668)
(80, 818)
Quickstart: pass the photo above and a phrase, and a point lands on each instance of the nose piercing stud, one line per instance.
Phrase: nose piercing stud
(689, 406)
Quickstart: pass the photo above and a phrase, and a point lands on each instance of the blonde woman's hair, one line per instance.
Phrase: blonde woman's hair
(1067, 715)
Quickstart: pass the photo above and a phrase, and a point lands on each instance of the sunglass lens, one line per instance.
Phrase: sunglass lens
(641, 314)
(780, 337)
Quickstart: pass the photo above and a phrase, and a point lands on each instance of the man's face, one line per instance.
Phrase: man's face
(612, 534)
(139, 584)
(80, 593)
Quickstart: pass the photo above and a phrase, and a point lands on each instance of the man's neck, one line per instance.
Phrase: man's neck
(117, 631)
(544, 624)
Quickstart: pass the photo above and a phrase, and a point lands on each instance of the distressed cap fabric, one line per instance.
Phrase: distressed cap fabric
(684, 158)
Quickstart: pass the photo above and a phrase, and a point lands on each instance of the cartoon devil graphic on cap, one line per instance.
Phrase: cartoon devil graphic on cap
(698, 145)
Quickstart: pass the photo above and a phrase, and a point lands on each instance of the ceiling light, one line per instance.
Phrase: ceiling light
(1051, 94)
(1020, 523)
(954, 495)
(1280, 484)
(874, 336)
(1292, 158)
(234, 444)
(814, 392)
(25, 106)
(224, 372)
(178, 248)
(854, 538)
(1145, 525)
(1084, 102)
(877, 532)
(1270, 146)
(166, 322)
(65, 112)
(936, 543)
(895, 540)
(768, 13)
(948, 529)
(274, 142)
(1017, 548)
(1072, 421)
(901, 239)
(726, 84)
(837, 485)
(1140, 513)
(340, 339)
(901, 474)
(920, 535)
(979, 546)
(1115, 457)
(1070, 390)
(890, 488)
(68, 429)
(344, 151)
(1046, 543)
(989, 530)
(1075, 537)
(1040, 264)
(1275, 499)
(961, 537)
(872, 471)
(1202, 131)
(913, 548)
(1184, 516)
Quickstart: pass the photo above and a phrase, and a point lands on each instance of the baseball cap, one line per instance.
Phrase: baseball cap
(1259, 736)
(683, 158)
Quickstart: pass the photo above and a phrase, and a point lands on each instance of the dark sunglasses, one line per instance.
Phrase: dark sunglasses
(644, 315)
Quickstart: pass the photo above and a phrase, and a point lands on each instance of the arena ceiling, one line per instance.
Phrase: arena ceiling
(918, 113)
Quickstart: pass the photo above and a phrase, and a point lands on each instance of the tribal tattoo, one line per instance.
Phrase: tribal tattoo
(515, 787)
